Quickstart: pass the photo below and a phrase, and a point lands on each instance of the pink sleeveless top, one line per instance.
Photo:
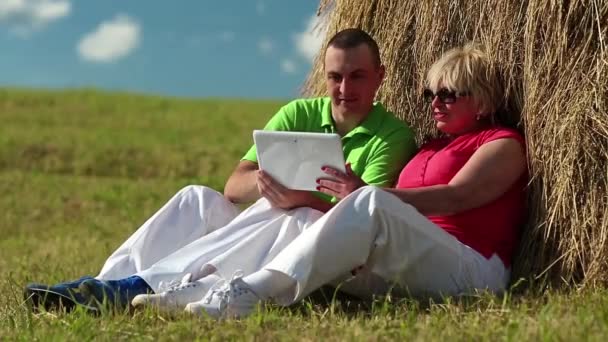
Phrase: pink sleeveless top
(490, 229)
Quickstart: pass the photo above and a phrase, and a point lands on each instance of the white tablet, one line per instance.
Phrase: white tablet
(295, 158)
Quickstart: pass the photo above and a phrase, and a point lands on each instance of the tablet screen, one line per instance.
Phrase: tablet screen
(295, 158)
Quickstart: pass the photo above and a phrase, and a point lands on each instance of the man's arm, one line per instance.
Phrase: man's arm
(247, 184)
(241, 186)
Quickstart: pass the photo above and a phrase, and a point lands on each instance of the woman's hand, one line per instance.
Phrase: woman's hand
(341, 184)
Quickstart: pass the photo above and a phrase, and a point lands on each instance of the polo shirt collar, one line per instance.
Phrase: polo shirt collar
(369, 126)
(326, 119)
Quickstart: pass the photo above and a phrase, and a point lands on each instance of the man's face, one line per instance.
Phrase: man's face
(352, 79)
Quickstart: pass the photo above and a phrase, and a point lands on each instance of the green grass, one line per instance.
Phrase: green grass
(80, 170)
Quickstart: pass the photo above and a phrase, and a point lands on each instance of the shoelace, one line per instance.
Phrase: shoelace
(182, 287)
(174, 284)
(219, 289)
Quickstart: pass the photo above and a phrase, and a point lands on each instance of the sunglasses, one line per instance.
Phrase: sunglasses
(445, 95)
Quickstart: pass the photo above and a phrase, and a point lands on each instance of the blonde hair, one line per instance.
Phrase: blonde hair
(467, 69)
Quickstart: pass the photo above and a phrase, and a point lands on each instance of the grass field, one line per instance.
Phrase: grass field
(80, 170)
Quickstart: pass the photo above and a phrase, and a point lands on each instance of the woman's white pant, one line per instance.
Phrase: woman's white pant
(198, 227)
(399, 249)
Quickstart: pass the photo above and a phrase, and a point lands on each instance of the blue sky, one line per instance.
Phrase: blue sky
(190, 48)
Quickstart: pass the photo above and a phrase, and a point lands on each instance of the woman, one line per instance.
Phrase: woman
(449, 226)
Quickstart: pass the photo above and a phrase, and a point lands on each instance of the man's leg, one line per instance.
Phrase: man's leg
(246, 244)
(373, 229)
(193, 212)
(260, 247)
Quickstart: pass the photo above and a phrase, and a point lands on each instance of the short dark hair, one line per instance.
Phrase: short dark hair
(353, 37)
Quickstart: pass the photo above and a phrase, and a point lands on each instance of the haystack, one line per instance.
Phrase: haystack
(554, 60)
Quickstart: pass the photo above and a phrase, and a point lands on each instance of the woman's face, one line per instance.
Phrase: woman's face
(456, 118)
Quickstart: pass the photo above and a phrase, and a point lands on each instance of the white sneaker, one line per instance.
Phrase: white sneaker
(175, 298)
(227, 300)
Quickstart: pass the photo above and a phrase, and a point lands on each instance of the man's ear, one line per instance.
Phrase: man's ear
(381, 72)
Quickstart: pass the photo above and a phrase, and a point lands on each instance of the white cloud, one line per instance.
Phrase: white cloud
(26, 16)
(260, 8)
(51, 10)
(288, 66)
(11, 7)
(112, 40)
(265, 46)
(308, 43)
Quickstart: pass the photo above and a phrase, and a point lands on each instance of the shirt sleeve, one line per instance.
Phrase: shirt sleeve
(503, 133)
(283, 120)
(385, 163)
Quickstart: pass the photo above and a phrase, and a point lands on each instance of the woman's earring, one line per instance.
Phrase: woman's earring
(479, 117)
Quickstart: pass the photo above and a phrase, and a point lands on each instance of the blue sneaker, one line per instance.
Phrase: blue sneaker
(50, 297)
(114, 294)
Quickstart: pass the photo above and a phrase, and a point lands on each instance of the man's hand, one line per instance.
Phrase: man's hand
(280, 196)
(342, 184)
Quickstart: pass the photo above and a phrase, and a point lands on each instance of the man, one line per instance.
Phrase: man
(199, 233)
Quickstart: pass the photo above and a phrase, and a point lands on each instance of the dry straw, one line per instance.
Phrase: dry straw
(554, 60)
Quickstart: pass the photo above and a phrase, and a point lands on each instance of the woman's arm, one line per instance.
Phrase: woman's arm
(488, 174)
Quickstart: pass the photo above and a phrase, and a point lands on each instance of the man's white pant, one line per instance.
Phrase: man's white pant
(198, 227)
(193, 212)
(399, 249)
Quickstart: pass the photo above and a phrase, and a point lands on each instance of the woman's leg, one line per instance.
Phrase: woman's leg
(390, 239)
(376, 230)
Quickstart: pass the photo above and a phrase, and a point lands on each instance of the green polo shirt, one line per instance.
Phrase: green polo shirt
(377, 149)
